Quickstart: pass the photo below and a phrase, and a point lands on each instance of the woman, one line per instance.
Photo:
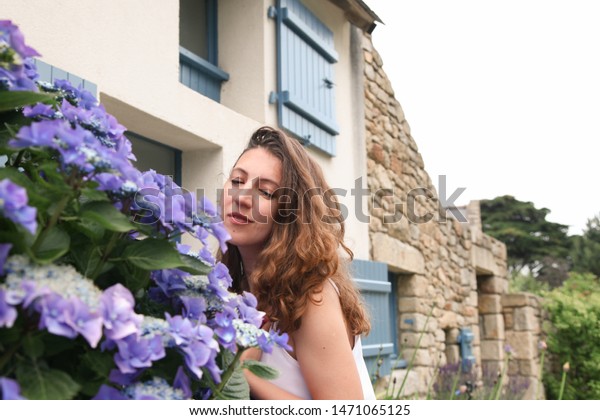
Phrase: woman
(286, 234)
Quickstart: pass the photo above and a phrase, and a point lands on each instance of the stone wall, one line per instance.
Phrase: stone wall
(449, 275)
(523, 317)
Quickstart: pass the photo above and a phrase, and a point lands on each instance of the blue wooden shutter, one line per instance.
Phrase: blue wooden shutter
(203, 74)
(371, 278)
(305, 86)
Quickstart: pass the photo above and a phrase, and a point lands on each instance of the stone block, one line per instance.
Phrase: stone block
(452, 336)
(414, 322)
(489, 304)
(413, 304)
(493, 327)
(412, 385)
(491, 369)
(529, 367)
(484, 261)
(398, 255)
(410, 339)
(514, 299)
(491, 284)
(524, 319)
(452, 354)
(421, 358)
(467, 277)
(508, 320)
(492, 350)
(476, 334)
(413, 286)
(448, 320)
(523, 344)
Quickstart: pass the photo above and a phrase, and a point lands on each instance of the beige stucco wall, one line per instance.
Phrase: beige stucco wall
(130, 49)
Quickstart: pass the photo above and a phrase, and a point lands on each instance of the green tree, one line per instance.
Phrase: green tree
(585, 252)
(574, 337)
(531, 240)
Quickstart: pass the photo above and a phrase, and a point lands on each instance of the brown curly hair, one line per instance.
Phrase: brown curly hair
(303, 250)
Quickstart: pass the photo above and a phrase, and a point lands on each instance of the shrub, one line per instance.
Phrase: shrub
(97, 298)
(574, 337)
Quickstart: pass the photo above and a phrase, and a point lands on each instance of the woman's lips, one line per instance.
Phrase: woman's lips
(238, 218)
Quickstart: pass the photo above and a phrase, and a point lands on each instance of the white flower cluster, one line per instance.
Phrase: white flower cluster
(61, 279)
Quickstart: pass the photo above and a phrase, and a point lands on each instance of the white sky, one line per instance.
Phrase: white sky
(502, 97)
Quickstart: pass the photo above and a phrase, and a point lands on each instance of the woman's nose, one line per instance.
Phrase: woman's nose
(243, 195)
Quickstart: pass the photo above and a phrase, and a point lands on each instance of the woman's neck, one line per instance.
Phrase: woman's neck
(249, 260)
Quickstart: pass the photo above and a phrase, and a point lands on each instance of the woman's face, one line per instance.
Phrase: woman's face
(248, 202)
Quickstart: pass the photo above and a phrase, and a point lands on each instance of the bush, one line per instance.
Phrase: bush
(527, 283)
(97, 297)
(574, 337)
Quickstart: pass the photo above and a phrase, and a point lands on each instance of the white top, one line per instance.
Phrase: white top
(290, 377)
(291, 380)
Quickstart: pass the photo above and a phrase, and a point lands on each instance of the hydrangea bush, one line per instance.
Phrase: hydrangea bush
(98, 299)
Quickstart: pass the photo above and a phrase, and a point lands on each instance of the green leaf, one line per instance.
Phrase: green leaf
(193, 265)
(16, 176)
(107, 216)
(54, 245)
(90, 229)
(98, 362)
(260, 369)
(41, 383)
(236, 387)
(135, 278)
(92, 194)
(152, 254)
(87, 258)
(9, 100)
(33, 346)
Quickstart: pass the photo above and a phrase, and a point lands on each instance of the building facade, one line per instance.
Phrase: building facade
(192, 79)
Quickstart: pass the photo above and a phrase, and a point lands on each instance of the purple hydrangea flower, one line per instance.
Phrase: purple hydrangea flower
(13, 205)
(86, 322)
(68, 303)
(120, 320)
(182, 382)
(69, 317)
(40, 111)
(54, 312)
(201, 350)
(170, 281)
(4, 250)
(38, 134)
(10, 389)
(154, 389)
(136, 353)
(17, 71)
(246, 305)
(109, 393)
(8, 314)
(194, 307)
(181, 329)
(219, 281)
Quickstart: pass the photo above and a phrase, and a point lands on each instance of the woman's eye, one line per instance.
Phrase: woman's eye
(266, 193)
(236, 182)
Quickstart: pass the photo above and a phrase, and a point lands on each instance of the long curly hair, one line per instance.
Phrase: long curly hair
(305, 245)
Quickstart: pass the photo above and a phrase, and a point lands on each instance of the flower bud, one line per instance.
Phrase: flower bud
(566, 367)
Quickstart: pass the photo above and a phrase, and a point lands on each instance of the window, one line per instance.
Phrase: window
(50, 73)
(153, 155)
(198, 53)
(371, 277)
(305, 83)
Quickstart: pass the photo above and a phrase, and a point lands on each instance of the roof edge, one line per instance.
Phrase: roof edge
(359, 14)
